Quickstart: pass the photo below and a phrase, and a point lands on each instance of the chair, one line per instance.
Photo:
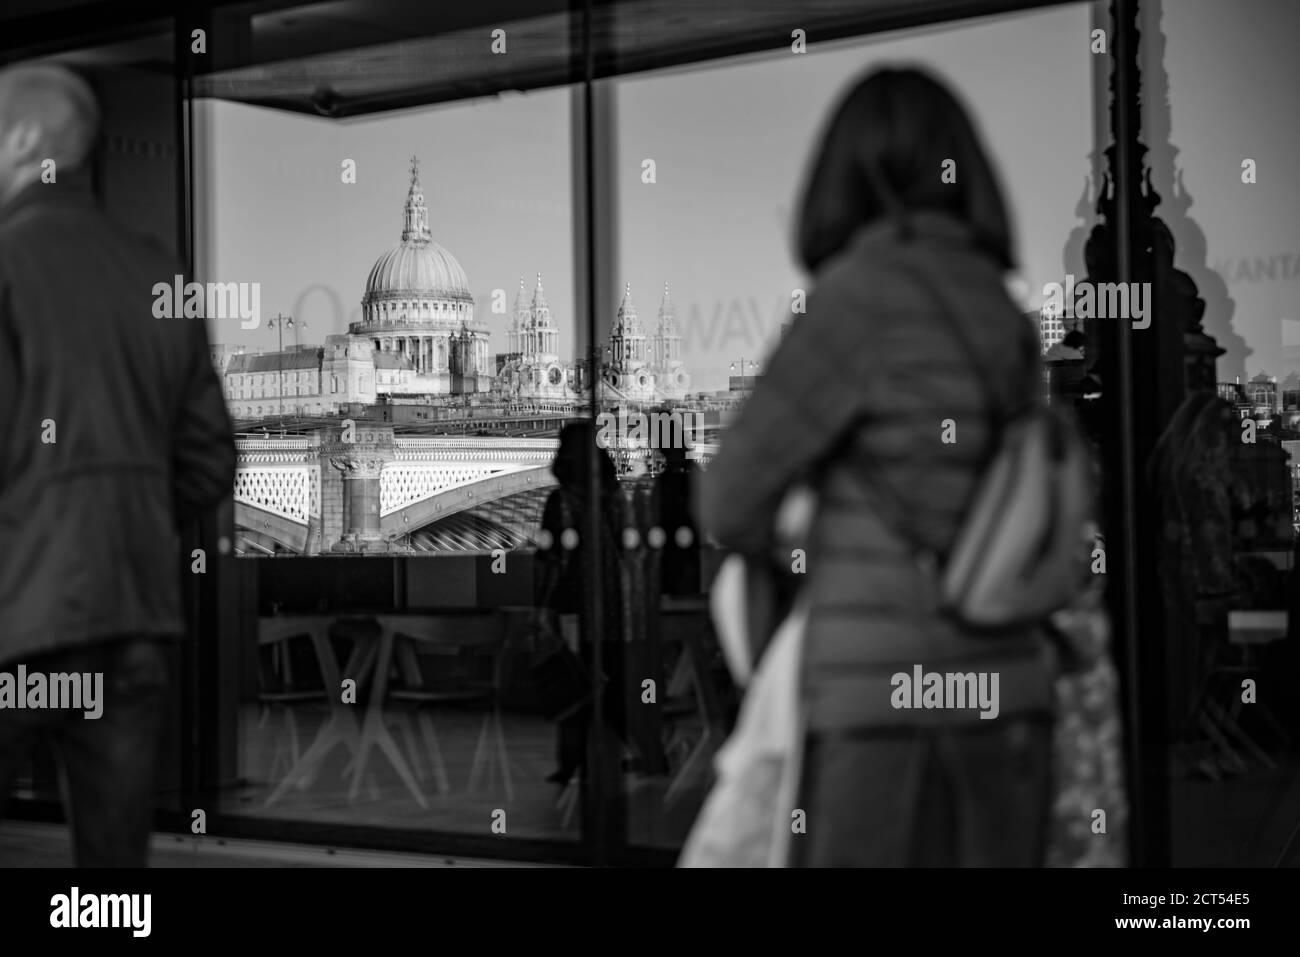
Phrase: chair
(692, 691)
(281, 688)
(457, 644)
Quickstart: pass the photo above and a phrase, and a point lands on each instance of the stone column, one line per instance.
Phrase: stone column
(361, 494)
(357, 455)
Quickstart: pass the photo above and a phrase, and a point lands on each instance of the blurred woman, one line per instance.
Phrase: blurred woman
(874, 402)
(559, 580)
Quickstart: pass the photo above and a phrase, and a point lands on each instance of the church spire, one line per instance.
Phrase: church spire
(521, 303)
(627, 343)
(542, 316)
(416, 227)
(667, 315)
(627, 323)
(519, 321)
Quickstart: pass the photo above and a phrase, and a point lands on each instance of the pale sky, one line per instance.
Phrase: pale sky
(730, 141)
(1233, 78)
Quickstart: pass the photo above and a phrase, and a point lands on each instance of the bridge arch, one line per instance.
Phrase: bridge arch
(463, 497)
(284, 531)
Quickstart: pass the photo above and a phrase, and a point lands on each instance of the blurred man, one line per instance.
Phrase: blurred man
(1069, 349)
(112, 426)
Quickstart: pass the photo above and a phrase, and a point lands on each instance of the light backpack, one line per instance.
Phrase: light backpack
(1022, 550)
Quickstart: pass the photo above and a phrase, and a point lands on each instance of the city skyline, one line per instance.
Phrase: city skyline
(717, 222)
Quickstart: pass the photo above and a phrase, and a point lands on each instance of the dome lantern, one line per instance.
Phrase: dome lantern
(417, 213)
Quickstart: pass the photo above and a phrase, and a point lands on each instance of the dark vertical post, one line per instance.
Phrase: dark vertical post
(210, 666)
(597, 241)
(1139, 411)
(1123, 104)
(594, 822)
(195, 741)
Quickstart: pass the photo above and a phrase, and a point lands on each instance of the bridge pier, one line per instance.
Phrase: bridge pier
(350, 489)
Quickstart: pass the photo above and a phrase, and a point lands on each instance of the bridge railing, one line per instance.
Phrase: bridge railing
(477, 449)
(422, 442)
(267, 444)
(292, 493)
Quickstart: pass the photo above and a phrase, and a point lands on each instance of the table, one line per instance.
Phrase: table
(447, 629)
(342, 726)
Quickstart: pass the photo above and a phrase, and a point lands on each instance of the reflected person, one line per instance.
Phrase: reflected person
(560, 586)
(674, 513)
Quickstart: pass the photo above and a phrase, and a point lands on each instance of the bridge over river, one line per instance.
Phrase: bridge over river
(367, 489)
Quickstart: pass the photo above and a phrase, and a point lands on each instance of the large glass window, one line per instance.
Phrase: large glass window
(1223, 463)
(706, 164)
(387, 651)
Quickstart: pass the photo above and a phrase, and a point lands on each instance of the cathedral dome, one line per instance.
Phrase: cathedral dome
(420, 267)
(416, 267)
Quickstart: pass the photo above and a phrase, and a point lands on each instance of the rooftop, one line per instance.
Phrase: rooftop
(275, 361)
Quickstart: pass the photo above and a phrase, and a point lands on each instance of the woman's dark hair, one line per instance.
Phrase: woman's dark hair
(1074, 339)
(577, 441)
(883, 155)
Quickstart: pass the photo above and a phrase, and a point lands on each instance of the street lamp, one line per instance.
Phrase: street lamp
(279, 322)
(753, 366)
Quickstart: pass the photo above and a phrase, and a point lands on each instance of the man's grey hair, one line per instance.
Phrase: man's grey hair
(58, 102)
